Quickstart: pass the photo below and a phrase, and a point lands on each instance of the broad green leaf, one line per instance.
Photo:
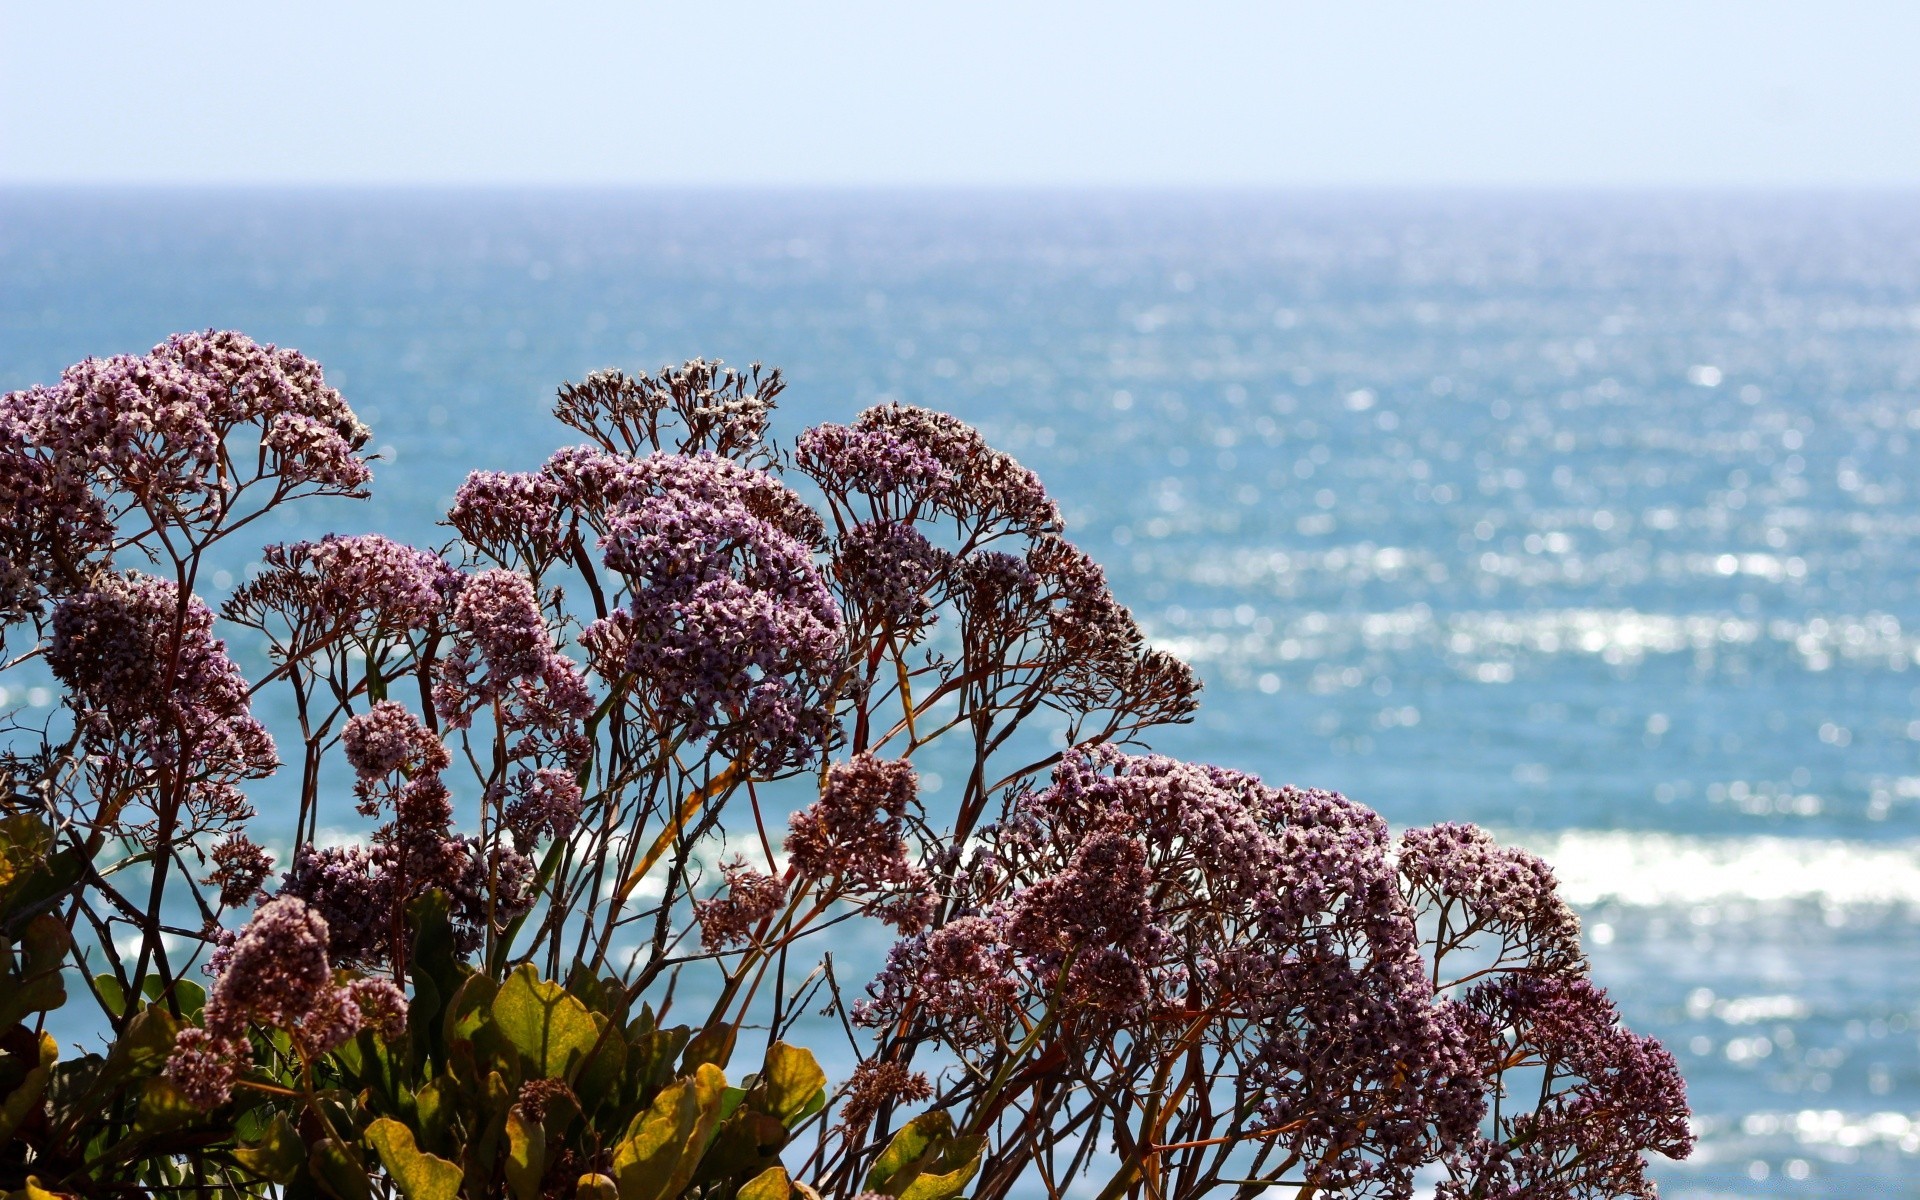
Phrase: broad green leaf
(339, 1172)
(657, 1158)
(652, 1055)
(596, 1187)
(162, 1107)
(112, 996)
(526, 1156)
(600, 1076)
(713, 1044)
(554, 1030)
(277, 1154)
(418, 1175)
(146, 1045)
(925, 1161)
(747, 1143)
(25, 1097)
(770, 1184)
(39, 987)
(470, 1007)
(791, 1079)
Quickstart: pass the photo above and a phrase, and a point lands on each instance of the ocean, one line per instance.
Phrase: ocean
(1592, 518)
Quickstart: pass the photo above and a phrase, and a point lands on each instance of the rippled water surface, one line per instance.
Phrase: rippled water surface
(1591, 519)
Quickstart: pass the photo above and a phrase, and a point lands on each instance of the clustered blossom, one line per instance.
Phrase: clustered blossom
(889, 575)
(541, 804)
(1609, 1096)
(240, 867)
(720, 410)
(730, 917)
(154, 689)
(911, 463)
(730, 633)
(877, 1084)
(276, 974)
(1138, 882)
(514, 518)
(501, 631)
(367, 585)
(363, 891)
(387, 738)
(1495, 887)
(855, 832)
(153, 426)
(145, 435)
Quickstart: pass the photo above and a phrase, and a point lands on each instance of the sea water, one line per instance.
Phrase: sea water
(1589, 518)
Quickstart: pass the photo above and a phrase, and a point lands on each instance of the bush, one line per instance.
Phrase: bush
(1113, 973)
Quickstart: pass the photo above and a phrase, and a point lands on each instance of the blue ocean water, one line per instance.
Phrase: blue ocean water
(1592, 519)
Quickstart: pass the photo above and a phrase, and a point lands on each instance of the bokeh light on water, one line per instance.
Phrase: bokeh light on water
(1591, 520)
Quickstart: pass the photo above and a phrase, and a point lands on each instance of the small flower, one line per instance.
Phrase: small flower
(878, 1084)
(241, 864)
(731, 916)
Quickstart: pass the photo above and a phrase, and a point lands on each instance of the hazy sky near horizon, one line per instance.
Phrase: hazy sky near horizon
(1628, 93)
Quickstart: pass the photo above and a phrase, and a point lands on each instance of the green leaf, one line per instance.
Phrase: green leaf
(653, 1054)
(112, 996)
(526, 1156)
(277, 1155)
(596, 1187)
(190, 996)
(39, 987)
(551, 1028)
(162, 1107)
(789, 1082)
(714, 1044)
(339, 1172)
(747, 1143)
(25, 1097)
(600, 1076)
(925, 1161)
(770, 1184)
(418, 1175)
(657, 1158)
(144, 1048)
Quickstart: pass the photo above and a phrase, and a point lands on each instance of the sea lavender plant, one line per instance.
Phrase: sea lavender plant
(571, 733)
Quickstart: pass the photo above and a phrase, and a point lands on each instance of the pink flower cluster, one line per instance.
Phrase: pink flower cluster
(154, 690)
(276, 974)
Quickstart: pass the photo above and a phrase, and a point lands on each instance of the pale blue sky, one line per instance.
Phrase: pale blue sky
(990, 92)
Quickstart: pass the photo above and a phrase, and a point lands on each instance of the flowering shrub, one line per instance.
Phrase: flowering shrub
(568, 951)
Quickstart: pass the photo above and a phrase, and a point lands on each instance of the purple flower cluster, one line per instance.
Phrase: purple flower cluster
(719, 410)
(514, 518)
(367, 585)
(363, 891)
(879, 1084)
(1608, 1096)
(911, 463)
(890, 578)
(276, 974)
(503, 656)
(154, 690)
(148, 434)
(241, 865)
(1142, 895)
(1478, 884)
(541, 804)
(729, 632)
(732, 916)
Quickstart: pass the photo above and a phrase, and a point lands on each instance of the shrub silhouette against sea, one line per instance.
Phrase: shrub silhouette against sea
(1112, 973)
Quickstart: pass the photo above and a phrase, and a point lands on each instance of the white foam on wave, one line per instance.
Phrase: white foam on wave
(1246, 637)
(1668, 870)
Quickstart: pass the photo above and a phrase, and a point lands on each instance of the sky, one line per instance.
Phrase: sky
(986, 93)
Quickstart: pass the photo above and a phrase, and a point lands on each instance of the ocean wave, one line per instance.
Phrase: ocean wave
(1669, 870)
